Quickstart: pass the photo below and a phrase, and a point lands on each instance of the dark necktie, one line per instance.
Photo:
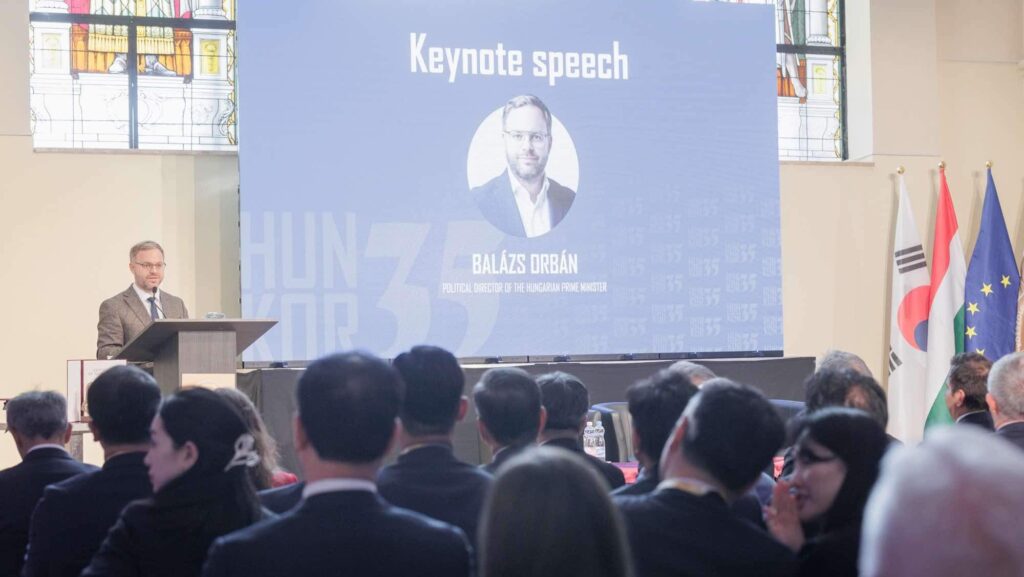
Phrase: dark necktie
(153, 312)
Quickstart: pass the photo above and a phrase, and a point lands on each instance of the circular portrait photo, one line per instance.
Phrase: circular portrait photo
(522, 168)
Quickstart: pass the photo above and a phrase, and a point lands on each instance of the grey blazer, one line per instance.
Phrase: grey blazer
(123, 317)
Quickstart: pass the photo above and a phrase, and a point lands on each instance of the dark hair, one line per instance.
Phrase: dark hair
(827, 388)
(262, 474)
(867, 395)
(38, 414)
(508, 402)
(655, 405)
(547, 496)
(565, 398)
(969, 373)
(348, 403)
(433, 387)
(733, 433)
(122, 403)
(860, 442)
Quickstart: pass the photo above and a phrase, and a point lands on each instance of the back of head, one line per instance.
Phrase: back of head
(1006, 385)
(867, 395)
(263, 473)
(508, 402)
(946, 508)
(968, 372)
(655, 405)
(693, 372)
(348, 403)
(122, 403)
(860, 442)
(38, 415)
(827, 388)
(433, 387)
(733, 433)
(565, 398)
(549, 513)
(836, 360)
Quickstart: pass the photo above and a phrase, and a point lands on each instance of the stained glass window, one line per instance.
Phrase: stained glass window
(810, 78)
(133, 74)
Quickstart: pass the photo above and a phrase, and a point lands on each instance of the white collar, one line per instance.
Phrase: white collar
(337, 484)
(519, 191)
(47, 446)
(961, 417)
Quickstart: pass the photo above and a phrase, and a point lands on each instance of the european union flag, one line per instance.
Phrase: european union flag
(990, 295)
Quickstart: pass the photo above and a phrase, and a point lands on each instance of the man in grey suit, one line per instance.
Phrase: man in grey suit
(125, 315)
(523, 201)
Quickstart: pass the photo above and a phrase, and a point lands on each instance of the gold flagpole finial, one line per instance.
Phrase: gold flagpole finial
(900, 170)
(988, 164)
(942, 165)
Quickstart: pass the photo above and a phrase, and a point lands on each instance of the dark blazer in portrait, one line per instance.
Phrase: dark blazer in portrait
(674, 533)
(74, 516)
(504, 454)
(981, 419)
(343, 533)
(21, 486)
(430, 480)
(1014, 432)
(282, 499)
(498, 204)
(609, 472)
(123, 317)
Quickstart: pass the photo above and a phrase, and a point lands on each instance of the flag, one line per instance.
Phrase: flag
(908, 327)
(946, 313)
(992, 283)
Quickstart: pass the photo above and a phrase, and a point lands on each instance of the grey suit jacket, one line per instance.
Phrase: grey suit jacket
(123, 317)
(498, 204)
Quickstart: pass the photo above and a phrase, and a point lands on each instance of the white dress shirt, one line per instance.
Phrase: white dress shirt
(145, 300)
(334, 485)
(536, 216)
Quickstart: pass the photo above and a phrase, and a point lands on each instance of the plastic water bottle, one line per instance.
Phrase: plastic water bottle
(599, 451)
(588, 439)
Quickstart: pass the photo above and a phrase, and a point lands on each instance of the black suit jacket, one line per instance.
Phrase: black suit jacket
(981, 419)
(674, 533)
(1014, 432)
(282, 499)
(353, 533)
(504, 454)
(498, 204)
(431, 481)
(609, 472)
(645, 483)
(74, 516)
(21, 486)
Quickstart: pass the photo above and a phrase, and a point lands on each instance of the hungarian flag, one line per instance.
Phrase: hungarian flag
(908, 329)
(946, 313)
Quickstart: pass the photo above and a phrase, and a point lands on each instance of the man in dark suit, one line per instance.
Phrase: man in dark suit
(74, 516)
(523, 200)
(125, 315)
(427, 478)
(38, 422)
(715, 454)
(1006, 397)
(566, 400)
(655, 405)
(347, 420)
(966, 387)
(282, 499)
(509, 413)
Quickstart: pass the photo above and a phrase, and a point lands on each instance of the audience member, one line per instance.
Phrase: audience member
(197, 463)
(509, 412)
(38, 421)
(655, 405)
(966, 387)
(348, 407)
(266, 474)
(836, 360)
(693, 372)
(74, 516)
(725, 437)
(549, 515)
(1006, 397)
(427, 478)
(566, 402)
(281, 499)
(838, 451)
(947, 508)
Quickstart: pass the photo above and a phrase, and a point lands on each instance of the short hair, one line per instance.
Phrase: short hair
(144, 245)
(837, 360)
(348, 403)
(968, 372)
(827, 388)
(526, 100)
(733, 432)
(38, 414)
(963, 486)
(433, 386)
(695, 373)
(655, 405)
(508, 402)
(122, 402)
(544, 496)
(867, 395)
(1006, 385)
(565, 398)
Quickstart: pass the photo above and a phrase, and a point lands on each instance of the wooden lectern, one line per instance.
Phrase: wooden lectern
(183, 351)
